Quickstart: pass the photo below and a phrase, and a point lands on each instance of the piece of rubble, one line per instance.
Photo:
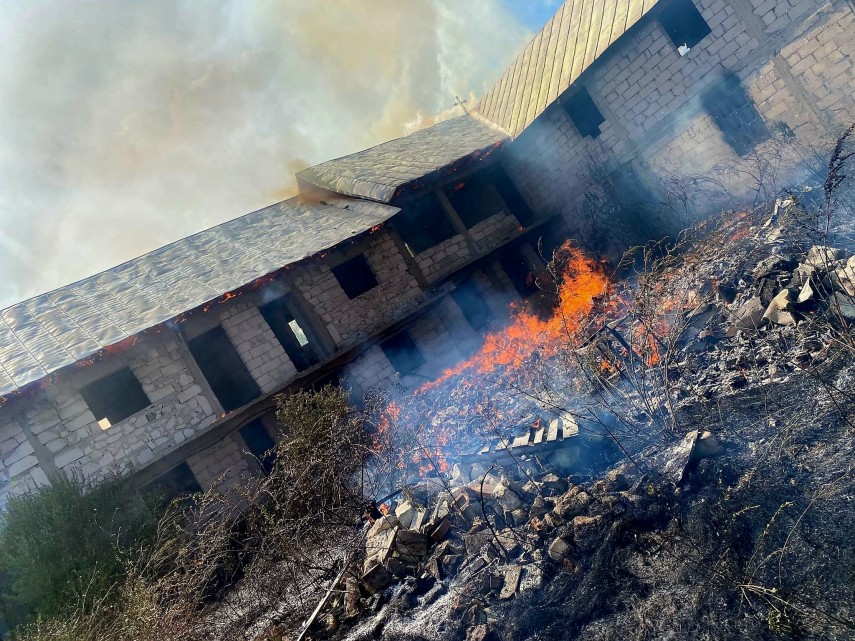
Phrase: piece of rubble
(823, 258)
(696, 445)
(507, 497)
(777, 312)
(476, 539)
(412, 546)
(383, 523)
(806, 293)
(538, 508)
(491, 582)
(376, 578)
(440, 530)
(478, 632)
(516, 518)
(467, 503)
(587, 532)
(552, 484)
(706, 446)
(616, 481)
(508, 541)
(351, 598)
(405, 514)
(558, 549)
(379, 546)
(572, 503)
(844, 277)
(512, 582)
(748, 317)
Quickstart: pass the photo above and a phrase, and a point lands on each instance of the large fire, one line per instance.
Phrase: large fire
(482, 394)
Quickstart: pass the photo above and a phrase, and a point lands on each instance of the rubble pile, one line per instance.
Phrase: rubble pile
(480, 542)
(521, 528)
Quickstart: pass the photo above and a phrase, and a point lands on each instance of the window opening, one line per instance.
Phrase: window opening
(402, 352)
(298, 332)
(423, 224)
(684, 24)
(474, 199)
(295, 337)
(177, 482)
(115, 397)
(260, 444)
(519, 273)
(512, 197)
(223, 368)
(355, 276)
(472, 304)
(584, 113)
(735, 115)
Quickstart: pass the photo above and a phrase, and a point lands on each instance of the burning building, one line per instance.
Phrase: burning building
(393, 262)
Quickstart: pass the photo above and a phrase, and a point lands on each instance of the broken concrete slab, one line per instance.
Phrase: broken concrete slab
(778, 310)
(822, 257)
(512, 582)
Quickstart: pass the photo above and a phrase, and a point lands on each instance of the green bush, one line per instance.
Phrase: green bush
(63, 547)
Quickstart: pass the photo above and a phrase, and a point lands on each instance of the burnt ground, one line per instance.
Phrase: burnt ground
(737, 524)
(754, 543)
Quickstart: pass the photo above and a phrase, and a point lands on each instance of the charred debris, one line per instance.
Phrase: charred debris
(703, 490)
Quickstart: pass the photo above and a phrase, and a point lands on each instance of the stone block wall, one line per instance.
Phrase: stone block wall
(226, 461)
(258, 347)
(444, 258)
(372, 369)
(794, 58)
(822, 57)
(20, 469)
(493, 231)
(349, 321)
(61, 434)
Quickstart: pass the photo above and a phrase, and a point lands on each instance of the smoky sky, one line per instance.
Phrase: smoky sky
(127, 125)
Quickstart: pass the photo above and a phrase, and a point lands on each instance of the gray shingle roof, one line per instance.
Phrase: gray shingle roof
(578, 34)
(45, 333)
(378, 173)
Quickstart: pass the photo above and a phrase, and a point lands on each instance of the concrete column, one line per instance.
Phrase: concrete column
(198, 376)
(42, 454)
(455, 219)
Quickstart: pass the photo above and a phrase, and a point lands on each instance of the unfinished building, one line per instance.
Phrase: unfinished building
(393, 262)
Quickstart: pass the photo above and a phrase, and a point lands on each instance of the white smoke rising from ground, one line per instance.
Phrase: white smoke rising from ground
(124, 126)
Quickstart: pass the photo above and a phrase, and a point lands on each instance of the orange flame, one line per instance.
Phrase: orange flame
(581, 285)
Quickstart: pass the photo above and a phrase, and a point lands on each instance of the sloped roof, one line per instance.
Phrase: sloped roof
(578, 34)
(45, 333)
(379, 172)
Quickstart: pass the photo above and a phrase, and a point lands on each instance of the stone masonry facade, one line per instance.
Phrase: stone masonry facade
(794, 58)
(53, 431)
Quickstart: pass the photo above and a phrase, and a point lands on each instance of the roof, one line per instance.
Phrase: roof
(578, 34)
(45, 333)
(380, 172)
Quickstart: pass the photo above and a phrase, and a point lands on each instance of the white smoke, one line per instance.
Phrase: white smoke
(124, 126)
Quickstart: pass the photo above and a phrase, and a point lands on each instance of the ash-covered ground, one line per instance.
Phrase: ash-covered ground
(702, 484)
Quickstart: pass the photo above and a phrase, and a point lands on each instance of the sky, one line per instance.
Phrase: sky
(127, 125)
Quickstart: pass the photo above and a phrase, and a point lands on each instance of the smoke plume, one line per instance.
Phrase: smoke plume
(124, 126)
